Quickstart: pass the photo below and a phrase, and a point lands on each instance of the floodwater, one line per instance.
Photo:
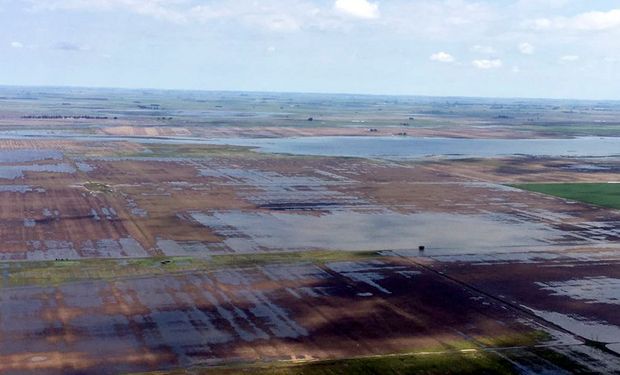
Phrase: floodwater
(593, 330)
(592, 289)
(403, 147)
(23, 156)
(11, 172)
(380, 147)
(439, 232)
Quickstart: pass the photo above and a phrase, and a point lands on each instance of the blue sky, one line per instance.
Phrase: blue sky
(519, 48)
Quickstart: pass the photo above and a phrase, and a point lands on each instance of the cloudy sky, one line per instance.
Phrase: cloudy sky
(514, 48)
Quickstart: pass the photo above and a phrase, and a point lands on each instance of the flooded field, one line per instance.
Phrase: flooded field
(350, 230)
(411, 147)
(216, 230)
(270, 312)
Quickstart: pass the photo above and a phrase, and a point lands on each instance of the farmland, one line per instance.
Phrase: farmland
(189, 232)
(605, 195)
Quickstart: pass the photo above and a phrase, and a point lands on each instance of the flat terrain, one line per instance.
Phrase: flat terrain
(605, 195)
(136, 236)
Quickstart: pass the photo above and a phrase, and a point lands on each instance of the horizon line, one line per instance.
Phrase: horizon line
(308, 93)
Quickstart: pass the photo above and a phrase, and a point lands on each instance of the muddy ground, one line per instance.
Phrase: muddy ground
(132, 201)
(135, 254)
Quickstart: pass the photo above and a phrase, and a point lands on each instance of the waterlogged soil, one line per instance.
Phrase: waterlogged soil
(575, 290)
(271, 312)
(72, 206)
(501, 267)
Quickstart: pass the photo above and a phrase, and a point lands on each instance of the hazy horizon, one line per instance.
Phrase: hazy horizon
(555, 49)
(473, 97)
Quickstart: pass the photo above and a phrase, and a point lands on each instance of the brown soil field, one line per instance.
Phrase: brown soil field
(119, 200)
(322, 131)
(577, 290)
(127, 248)
(138, 201)
(272, 312)
(529, 169)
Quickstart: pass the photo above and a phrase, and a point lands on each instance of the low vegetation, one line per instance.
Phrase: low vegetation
(600, 194)
(97, 187)
(475, 362)
(46, 273)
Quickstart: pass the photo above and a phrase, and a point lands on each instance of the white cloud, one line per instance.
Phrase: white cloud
(358, 8)
(526, 48)
(569, 58)
(442, 57)
(588, 21)
(515, 69)
(17, 45)
(483, 49)
(487, 64)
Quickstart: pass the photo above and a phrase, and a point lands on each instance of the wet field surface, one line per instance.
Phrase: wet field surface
(271, 312)
(413, 147)
(136, 245)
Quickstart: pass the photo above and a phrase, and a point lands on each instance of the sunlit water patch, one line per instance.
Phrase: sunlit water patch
(590, 289)
(19, 189)
(11, 172)
(403, 147)
(439, 232)
(24, 156)
(590, 329)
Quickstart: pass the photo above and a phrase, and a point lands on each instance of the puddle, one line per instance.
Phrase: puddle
(84, 167)
(11, 172)
(251, 231)
(369, 273)
(591, 289)
(280, 192)
(103, 248)
(24, 156)
(490, 259)
(592, 330)
(181, 248)
(17, 189)
(586, 167)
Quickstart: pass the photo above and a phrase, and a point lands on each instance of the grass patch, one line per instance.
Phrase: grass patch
(474, 363)
(52, 273)
(600, 194)
(576, 130)
(440, 363)
(518, 339)
(193, 151)
(319, 257)
(97, 187)
(208, 151)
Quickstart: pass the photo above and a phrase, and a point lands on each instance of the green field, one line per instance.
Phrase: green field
(600, 194)
(478, 362)
(429, 363)
(54, 273)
